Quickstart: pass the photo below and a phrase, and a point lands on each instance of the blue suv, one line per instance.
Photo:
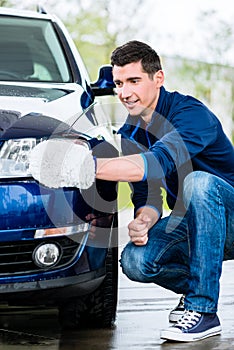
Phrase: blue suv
(58, 247)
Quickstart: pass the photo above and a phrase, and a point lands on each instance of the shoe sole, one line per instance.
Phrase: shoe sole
(185, 337)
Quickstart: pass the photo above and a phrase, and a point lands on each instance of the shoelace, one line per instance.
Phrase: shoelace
(188, 320)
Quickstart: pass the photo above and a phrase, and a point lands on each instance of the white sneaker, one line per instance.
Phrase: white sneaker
(178, 311)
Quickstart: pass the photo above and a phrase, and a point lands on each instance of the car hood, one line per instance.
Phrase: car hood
(60, 101)
(13, 126)
(43, 109)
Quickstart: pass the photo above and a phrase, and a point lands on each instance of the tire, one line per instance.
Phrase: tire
(98, 309)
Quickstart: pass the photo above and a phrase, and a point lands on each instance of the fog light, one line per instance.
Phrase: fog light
(46, 255)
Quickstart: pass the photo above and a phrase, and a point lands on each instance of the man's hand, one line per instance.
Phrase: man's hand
(139, 227)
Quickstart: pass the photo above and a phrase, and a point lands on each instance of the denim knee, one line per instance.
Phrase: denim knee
(133, 263)
(138, 268)
(198, 186)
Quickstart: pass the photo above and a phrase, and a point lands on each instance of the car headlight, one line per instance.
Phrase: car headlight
(14, 157)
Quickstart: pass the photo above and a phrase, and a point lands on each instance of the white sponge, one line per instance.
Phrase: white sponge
(62, 163)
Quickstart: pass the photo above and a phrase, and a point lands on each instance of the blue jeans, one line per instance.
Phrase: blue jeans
(185, 253)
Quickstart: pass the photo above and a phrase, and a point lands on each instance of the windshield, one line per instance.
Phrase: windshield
(30, 51)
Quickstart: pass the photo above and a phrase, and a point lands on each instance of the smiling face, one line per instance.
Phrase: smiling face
(138, 91)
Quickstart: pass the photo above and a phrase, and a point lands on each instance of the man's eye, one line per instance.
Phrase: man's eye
(118, 83)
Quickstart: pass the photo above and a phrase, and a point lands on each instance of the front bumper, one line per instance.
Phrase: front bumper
(52, 292)
(27, 205)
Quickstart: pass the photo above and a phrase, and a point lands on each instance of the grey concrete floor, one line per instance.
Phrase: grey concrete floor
(142, 312)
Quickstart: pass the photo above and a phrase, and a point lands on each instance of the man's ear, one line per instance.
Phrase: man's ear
(159, 78)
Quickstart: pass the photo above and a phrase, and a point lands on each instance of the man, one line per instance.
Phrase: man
(183, 149)
(174, 142)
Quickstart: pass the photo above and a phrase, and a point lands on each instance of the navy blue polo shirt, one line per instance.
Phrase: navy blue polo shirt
(183, 136)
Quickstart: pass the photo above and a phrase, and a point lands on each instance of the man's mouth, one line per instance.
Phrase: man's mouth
(130, 103)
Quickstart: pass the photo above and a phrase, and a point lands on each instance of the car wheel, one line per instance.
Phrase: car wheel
(98, 309)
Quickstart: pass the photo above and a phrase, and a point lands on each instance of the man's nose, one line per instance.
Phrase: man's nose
(126, 91)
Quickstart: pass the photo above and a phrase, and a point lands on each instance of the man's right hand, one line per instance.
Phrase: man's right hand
(139, 227)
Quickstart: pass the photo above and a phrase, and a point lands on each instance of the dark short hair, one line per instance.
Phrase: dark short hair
(135, 51)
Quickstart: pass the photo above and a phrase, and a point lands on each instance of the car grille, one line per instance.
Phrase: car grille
(16, 257)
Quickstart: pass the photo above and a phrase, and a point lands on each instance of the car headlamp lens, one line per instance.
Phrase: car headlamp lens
(14, 157)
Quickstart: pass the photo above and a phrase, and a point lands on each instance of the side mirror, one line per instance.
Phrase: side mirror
(104, 85)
